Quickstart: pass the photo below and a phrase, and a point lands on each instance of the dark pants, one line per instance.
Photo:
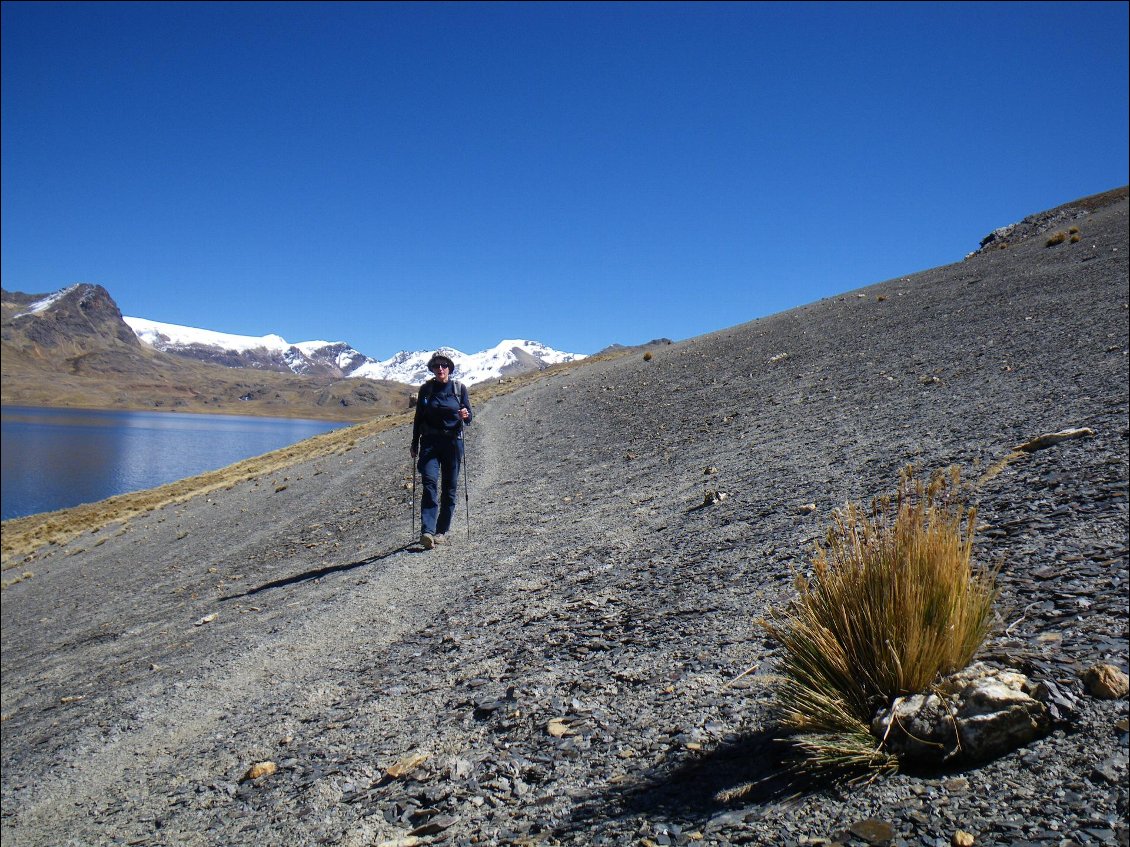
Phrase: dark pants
(439, 462)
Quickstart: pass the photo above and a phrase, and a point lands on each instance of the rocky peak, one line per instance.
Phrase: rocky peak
(80, 315)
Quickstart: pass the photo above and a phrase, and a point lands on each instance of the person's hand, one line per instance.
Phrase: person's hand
(412, 450)
(464, 414)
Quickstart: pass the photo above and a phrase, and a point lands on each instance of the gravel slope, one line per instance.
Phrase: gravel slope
(569, 670)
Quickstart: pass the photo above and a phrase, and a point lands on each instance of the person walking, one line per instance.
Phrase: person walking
(443, 409)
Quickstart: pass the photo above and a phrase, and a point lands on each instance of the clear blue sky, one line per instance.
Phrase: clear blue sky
(404, 176)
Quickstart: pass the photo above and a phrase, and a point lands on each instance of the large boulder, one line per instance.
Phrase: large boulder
(974, 715)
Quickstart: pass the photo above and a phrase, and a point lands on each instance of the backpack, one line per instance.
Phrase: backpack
(457, 388)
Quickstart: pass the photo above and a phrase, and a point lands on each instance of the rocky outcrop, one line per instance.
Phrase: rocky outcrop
(971, 716)
(82, 315)
(1044, 222)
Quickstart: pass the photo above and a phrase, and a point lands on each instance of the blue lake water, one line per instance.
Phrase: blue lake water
(58, 458)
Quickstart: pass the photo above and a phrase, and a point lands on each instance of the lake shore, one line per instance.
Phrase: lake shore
(123, 451)
(329, 415)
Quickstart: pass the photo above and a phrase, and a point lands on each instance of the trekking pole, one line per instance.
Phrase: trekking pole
(466, 498)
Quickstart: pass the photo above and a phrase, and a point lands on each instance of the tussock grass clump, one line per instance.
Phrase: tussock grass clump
(893, 604)
(1057, 238)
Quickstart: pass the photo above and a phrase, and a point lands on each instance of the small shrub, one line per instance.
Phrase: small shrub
(892, 605)
(1057, 238)
(1074, 230)
(1075, 239)
(647, 356)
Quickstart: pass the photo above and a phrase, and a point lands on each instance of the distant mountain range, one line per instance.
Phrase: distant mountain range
(73, 347)
(339, 359)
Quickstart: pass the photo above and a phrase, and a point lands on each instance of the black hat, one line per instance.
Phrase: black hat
(441, 359)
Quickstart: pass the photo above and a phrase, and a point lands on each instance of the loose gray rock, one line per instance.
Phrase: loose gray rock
(974, 715)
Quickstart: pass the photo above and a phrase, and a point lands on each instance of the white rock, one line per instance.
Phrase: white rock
(974, 715)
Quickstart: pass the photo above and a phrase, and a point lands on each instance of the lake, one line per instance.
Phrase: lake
(58, 458)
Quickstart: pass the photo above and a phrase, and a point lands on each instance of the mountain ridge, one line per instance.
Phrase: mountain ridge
(338, 358)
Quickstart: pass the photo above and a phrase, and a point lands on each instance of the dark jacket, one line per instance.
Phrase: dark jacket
(437, 410)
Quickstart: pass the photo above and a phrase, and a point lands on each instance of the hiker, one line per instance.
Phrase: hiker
(442, 410)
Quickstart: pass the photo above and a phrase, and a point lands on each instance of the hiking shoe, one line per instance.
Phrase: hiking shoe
(441, 538)
(427, 541)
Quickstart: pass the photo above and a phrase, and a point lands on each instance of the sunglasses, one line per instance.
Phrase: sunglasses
(438, 367)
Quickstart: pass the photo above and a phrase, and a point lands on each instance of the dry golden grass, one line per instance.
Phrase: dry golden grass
(995, 469)
(22, 536)
(893, 604)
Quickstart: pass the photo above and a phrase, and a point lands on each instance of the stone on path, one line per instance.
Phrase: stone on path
(406, 765)
(1106, 682)
(260, 769)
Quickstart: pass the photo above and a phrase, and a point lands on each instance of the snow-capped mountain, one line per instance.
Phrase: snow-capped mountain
(265, 352)
(507, 358)
(336, 358)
